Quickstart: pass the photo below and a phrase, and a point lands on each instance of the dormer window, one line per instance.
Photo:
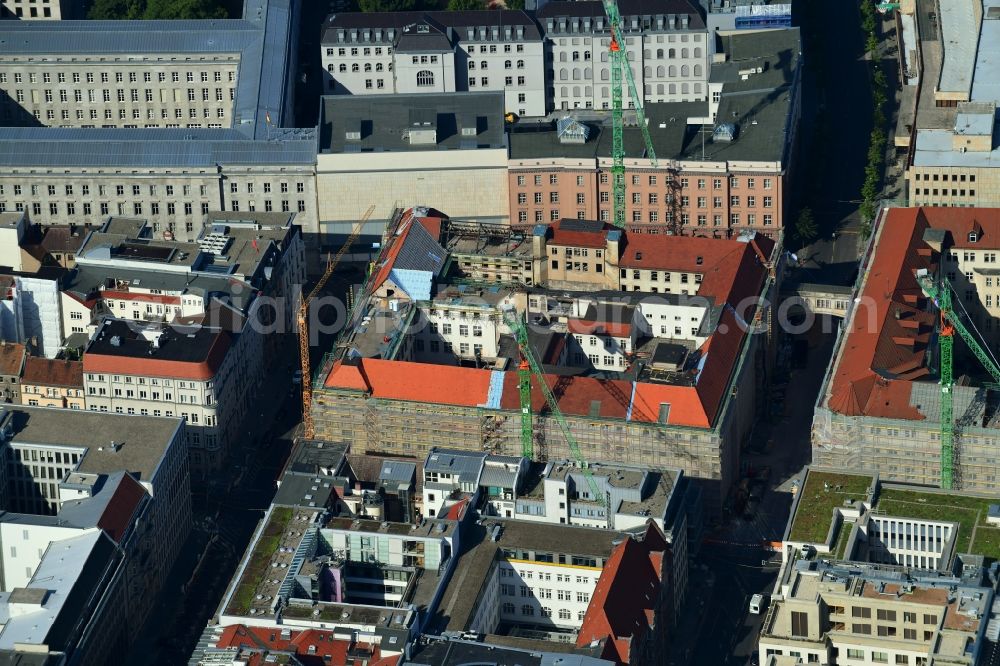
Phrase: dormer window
(973, 236)
(638, 256)
(699, 261)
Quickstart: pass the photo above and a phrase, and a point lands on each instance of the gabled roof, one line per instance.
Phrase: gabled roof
(119, 514)
(412, 249)
(53, 372)
(886, 346)
(311, 647)
(623, 606)
(579, 233)
(11, 358)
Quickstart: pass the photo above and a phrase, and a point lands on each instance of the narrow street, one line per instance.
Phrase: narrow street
(733, 563)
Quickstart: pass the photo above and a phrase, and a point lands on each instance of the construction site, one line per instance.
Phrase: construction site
(912, 390)
(653, 350)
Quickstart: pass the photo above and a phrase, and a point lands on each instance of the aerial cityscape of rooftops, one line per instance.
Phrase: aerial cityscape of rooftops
(506, 332)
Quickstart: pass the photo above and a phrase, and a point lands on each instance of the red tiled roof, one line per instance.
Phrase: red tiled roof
(560, 236)
(328, 650)
(886, 346)
(614, 329)
(623, 605)
(119, 512)
(731, 270)
(11, 358)
(418, 382)
(117, 295)
(433, 226)
(457, 510)
(53, 372)
(469, 387)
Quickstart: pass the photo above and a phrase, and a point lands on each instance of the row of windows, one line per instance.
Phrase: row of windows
(577, 74)
(121, 208)
(652, 180)
(133, 77)
(94, 95)
(529, 611)
(653, 217)
(944, 193)
(955, 177)
(355, 51)
(652, 199)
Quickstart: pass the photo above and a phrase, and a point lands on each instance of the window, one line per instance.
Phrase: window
(425, 78)
(855, 654)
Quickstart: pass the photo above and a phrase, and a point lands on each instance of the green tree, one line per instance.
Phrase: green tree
(183, 9)
(805, 227)
(461, 5)
(515, 4)
(386, 5)
(113, 10)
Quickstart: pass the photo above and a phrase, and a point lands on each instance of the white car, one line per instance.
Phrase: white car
(758, 604)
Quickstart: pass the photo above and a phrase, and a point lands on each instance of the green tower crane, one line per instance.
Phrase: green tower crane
(529, 367)
(618, 57)
(949, 324)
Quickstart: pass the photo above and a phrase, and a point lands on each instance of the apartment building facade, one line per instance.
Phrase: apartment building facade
(668, 51)
(556, 58)
(188, 373)
(68, 464)
(53, 383)
(835, 614)
(12, 357)
(188, 74)
(437, 52)
(93, 175)
(721, 166)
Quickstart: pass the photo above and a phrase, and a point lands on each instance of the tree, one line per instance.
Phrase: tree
(515, 4)
(805, 227)
(183, 9)
(113, 10)
(462, 5)
(386, 5)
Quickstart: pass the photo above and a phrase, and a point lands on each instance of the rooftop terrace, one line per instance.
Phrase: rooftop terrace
(969, 512)
(821, 493)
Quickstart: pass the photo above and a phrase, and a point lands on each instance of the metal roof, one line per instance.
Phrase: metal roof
(266, 28)
(986, 79)
(498, 477)
(958, 25)
(380, 123)
(60, 147)
(396, 471)
(465, 464)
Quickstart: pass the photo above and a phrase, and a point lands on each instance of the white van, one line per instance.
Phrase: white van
(758, 603)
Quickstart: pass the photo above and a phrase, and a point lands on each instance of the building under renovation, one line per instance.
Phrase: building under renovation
(880, 408)
(651, 348)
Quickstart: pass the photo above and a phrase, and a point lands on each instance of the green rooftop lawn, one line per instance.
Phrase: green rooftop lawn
(969, 512)
(266, 546)
(816, 505)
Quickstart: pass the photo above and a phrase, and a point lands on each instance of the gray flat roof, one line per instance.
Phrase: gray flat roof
(383, 121)
(58, 147)
(935, 148)
(759, 106)
(986, 78)
(262, 39)
(144, 439)
(958, 27)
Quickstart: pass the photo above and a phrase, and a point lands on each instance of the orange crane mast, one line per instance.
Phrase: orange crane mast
(303, 324)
